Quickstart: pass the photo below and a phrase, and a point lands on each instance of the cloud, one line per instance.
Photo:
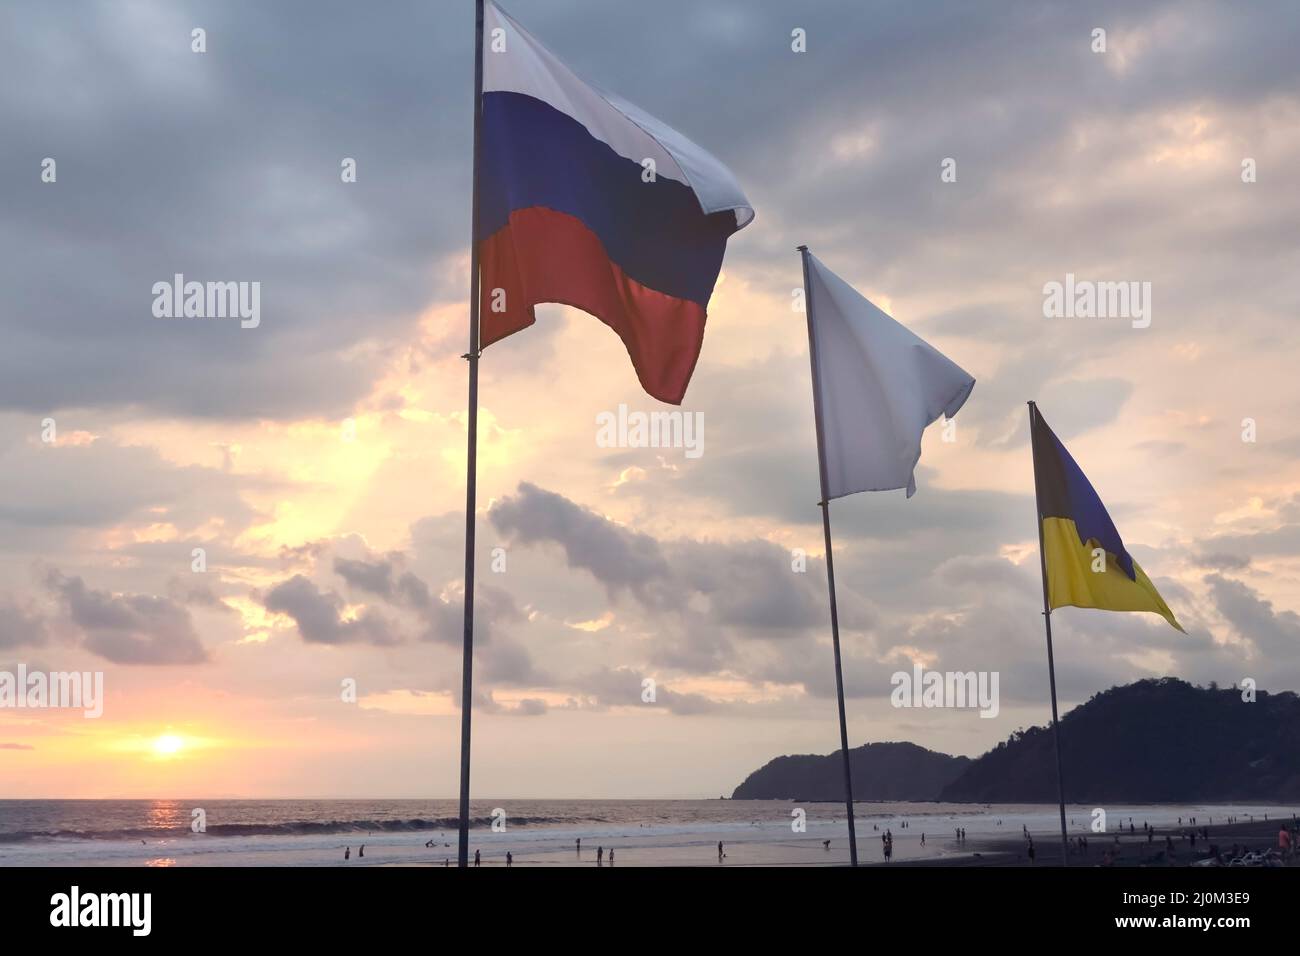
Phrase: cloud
(319, 615)
(197, 594)
(750, 587)
(373, 576)
(128, 628)
(1275, 633)
(623, 687)
(619, 558)
(20, 627)
(1222, 561)
(55, 490)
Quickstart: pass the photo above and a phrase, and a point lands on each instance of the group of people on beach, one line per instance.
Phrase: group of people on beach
(1288, 843)
(600, 852)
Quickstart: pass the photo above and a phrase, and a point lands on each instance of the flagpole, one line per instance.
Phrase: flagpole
(471, 464)
(1047, 622)
(830, 561)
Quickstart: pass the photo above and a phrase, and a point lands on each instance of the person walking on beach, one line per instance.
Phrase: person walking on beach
(476, 861)
(510, 859)
(347, 853)
(922, 839)
(611, 856)
(1030, 851)
(362, 851)
(577, 845)
(600, 856)
(721, 855)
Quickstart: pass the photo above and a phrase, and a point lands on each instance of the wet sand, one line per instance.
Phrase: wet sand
(1127, 851)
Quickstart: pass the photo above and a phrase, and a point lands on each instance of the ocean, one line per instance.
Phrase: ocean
(534, 832)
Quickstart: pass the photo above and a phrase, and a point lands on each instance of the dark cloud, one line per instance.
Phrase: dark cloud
(128, 628)
(319, 615)
(1221, 561)
(197, 594)
(412, 610)
(1275, 633)
(20, 627)
(373, 576)
(57, 489)
(157, 174)
(153, 144)
(619, 558)
(751, 587)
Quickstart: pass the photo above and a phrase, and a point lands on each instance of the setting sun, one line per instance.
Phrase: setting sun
(167, 745)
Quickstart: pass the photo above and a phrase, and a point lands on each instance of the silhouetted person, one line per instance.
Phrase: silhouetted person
(721, 855)
(476, 860)
(600, 854)
(347, 854)
(611, 856)
(1031, 852)
(826, 844)
(510, 859)
(361, 852)
(578, 845)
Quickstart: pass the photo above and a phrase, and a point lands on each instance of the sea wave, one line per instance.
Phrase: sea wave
(288, 828)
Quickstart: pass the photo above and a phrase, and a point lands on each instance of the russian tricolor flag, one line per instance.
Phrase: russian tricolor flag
(570, 213)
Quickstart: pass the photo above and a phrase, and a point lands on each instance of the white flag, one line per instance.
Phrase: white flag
(881, 385)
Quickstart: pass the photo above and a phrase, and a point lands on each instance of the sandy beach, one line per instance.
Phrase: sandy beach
(639, 833)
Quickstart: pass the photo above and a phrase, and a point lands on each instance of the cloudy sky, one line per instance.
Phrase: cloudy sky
(318, 459)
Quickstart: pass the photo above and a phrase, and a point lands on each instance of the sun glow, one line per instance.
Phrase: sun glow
(168, 745)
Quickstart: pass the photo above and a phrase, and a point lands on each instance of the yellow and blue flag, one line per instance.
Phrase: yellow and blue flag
(1086, 562)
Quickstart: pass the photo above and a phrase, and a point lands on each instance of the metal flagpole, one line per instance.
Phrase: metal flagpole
(830, 563)
(471, 466)
(1047, 622)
